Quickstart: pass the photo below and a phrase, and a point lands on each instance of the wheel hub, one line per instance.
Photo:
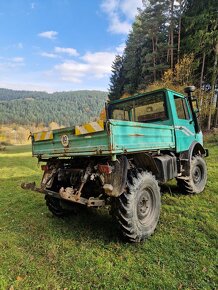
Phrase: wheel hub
(197, 175)
(144, 205)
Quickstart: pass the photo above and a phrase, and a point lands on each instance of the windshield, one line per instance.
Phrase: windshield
(147, 108)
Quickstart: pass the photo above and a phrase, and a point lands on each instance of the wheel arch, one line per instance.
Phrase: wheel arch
(146, 162)
(193, 150)
(185, 157)
(196, 181)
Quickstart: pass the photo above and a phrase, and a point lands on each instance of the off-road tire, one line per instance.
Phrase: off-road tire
(197, 178)
(138, 208)
(54, 206)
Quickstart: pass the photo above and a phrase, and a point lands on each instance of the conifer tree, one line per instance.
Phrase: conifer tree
(117, 79)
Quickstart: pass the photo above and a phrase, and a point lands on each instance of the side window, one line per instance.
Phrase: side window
(181, 108)
(120, 115)
(151, 108)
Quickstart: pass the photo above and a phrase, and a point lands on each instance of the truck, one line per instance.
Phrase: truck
(120, 163)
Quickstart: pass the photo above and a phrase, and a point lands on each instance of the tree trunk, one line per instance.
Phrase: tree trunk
(154, 58)
(210, 112)
(202, 77)
(213, 83)
(171, 35)
(179, 30)
(202, 70)
(215, 72)
(216, 113)
(168, 49)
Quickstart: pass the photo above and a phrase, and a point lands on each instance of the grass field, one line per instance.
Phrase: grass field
(39, 251)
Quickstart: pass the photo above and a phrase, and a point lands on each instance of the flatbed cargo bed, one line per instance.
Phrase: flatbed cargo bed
(116, 138)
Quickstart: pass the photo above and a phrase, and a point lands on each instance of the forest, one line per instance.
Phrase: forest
(64, 108)
(22, 112)
(172, 44)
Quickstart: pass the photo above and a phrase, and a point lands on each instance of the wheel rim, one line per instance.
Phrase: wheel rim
(145, 205)
(197, 175)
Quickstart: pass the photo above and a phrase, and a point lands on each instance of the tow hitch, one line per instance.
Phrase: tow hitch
(66, 194)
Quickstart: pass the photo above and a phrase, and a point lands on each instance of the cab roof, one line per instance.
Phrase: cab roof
(144, 94)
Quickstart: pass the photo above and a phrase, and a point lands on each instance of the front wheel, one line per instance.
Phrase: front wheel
(138, 209)
(197, 179)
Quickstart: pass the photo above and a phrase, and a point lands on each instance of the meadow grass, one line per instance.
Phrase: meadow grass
(84, 251)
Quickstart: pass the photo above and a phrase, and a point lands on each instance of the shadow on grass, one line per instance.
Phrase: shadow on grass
(88, 224)
(171, 189)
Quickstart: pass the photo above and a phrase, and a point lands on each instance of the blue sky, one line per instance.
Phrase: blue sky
(59, 45)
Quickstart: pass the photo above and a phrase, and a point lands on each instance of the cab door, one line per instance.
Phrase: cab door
(184, 125)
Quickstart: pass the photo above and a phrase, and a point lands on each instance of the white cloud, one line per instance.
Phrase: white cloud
(49, 55)
(48, 34)
(120, 48)
(26, 86)
(110, 5)
(92, 65)
(9, 63)
(129, 7)
(20, 45)
(121, 14)
(67, 50)
(32, 5)
(100, 62)
(71, 71)
(17, 59)
(60, 50)
(117, 26)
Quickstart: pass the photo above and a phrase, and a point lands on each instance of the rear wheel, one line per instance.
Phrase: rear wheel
(138, 209)
(54, 205)
(62, 208)
(197, 178)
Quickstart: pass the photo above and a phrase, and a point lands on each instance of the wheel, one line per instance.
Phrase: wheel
(54, 205)
(138, 209)
(197, 179)
(60, 207)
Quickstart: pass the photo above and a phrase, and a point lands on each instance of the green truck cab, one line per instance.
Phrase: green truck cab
(146, 140)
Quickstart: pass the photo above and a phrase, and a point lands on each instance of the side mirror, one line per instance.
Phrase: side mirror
(189, 89)
(195, 105)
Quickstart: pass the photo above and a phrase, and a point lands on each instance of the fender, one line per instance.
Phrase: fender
(194, 149)
(115, 182)
(146, 162)
(186, 156)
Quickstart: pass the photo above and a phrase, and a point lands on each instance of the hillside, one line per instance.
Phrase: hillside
(64, 108)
